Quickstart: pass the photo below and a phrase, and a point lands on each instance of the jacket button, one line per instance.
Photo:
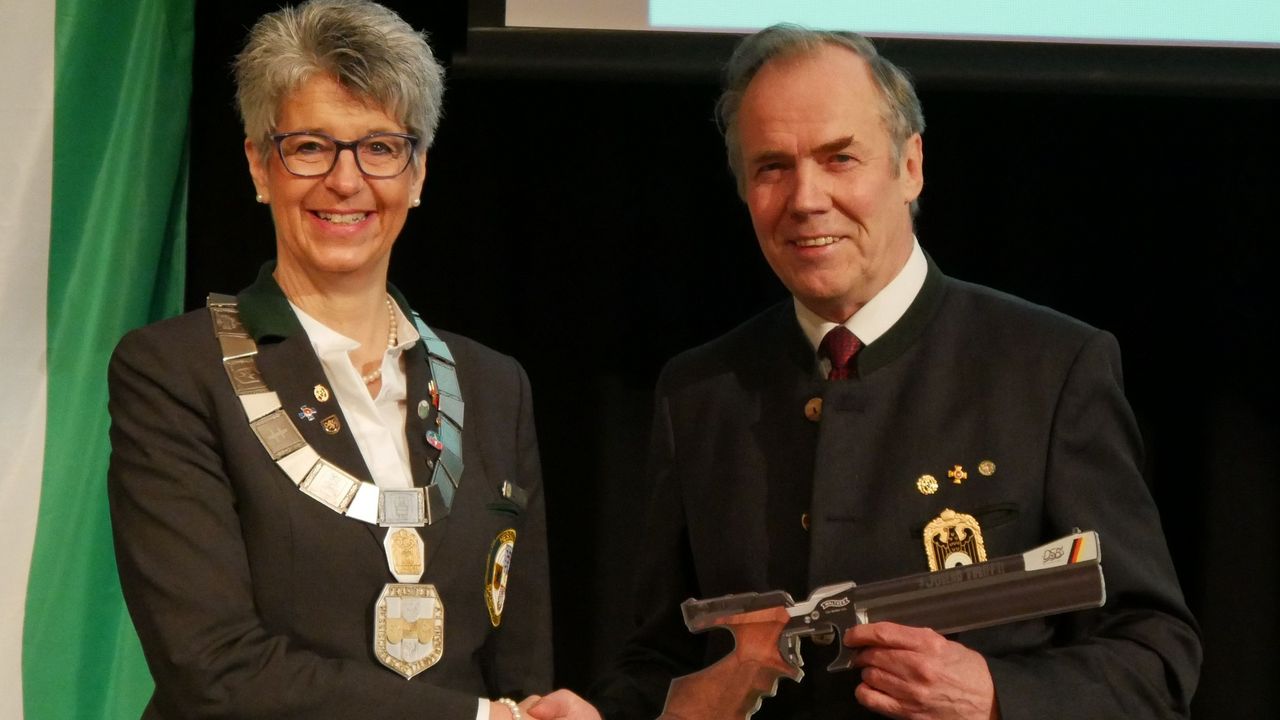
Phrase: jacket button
(813, 409)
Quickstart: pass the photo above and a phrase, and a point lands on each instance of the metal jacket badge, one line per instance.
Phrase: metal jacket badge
(953, 539)
(408, 627)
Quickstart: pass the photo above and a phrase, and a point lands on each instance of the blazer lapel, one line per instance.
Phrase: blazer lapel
(420, 418)
(290, 367)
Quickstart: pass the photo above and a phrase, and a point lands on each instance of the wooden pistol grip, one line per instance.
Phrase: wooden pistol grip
(735, 685)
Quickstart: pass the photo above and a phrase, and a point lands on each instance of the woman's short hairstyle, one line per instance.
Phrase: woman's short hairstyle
(364, 46)
(901, 110)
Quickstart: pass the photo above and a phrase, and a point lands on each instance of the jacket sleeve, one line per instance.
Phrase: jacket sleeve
(1139, 655)
(520, 654)
(185, 571)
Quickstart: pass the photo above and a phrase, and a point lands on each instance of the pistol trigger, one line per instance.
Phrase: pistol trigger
(790, 647)
(844, 660)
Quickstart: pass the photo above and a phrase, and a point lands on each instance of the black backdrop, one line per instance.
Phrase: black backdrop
(587, 225)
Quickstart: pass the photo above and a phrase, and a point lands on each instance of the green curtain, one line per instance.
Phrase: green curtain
(117, 254)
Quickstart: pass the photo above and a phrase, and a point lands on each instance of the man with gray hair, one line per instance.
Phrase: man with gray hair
(888, 420)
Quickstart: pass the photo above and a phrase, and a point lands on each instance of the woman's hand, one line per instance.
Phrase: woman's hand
(562, 705)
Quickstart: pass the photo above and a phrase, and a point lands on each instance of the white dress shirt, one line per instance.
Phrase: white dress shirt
(377, 423)
(878, 315)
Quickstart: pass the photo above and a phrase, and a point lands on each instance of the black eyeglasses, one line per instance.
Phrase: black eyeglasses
(379, 155)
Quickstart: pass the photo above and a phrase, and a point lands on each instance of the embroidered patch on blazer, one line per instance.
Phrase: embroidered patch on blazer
(497, 574)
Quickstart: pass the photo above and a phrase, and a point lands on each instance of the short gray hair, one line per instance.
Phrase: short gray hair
(901, 112)
(364, 46)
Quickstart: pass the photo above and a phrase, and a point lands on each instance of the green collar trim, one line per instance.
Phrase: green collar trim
(265, 310)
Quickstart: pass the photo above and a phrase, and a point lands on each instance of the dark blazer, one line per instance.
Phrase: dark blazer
(251, 599)
(967, 375)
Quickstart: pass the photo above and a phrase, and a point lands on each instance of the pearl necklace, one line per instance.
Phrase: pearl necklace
(375, 375)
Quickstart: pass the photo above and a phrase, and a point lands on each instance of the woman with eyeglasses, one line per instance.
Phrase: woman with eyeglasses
(323, 507)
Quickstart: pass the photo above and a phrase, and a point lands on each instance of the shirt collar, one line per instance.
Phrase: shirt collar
(328, 342)
(880, 313)
(267, 313)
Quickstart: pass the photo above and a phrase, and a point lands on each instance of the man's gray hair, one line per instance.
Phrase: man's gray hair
(364, 46)
(901, 110)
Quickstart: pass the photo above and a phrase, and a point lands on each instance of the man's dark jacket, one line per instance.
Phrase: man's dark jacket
(966, 375)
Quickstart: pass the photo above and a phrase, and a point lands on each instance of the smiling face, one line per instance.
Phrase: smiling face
(830, 205)
(342, 224)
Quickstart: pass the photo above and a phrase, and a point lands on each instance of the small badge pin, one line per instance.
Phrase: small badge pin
(331, 425)
(424, 409)
(927, 484)
(987, 468)
(434, 392)
(434, 440)
(957, 475)
(308, 413)
(321, 392)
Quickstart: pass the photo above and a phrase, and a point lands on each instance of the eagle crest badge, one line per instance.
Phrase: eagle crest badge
(953, 539)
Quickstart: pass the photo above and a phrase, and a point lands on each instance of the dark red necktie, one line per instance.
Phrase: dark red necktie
(839, 346)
